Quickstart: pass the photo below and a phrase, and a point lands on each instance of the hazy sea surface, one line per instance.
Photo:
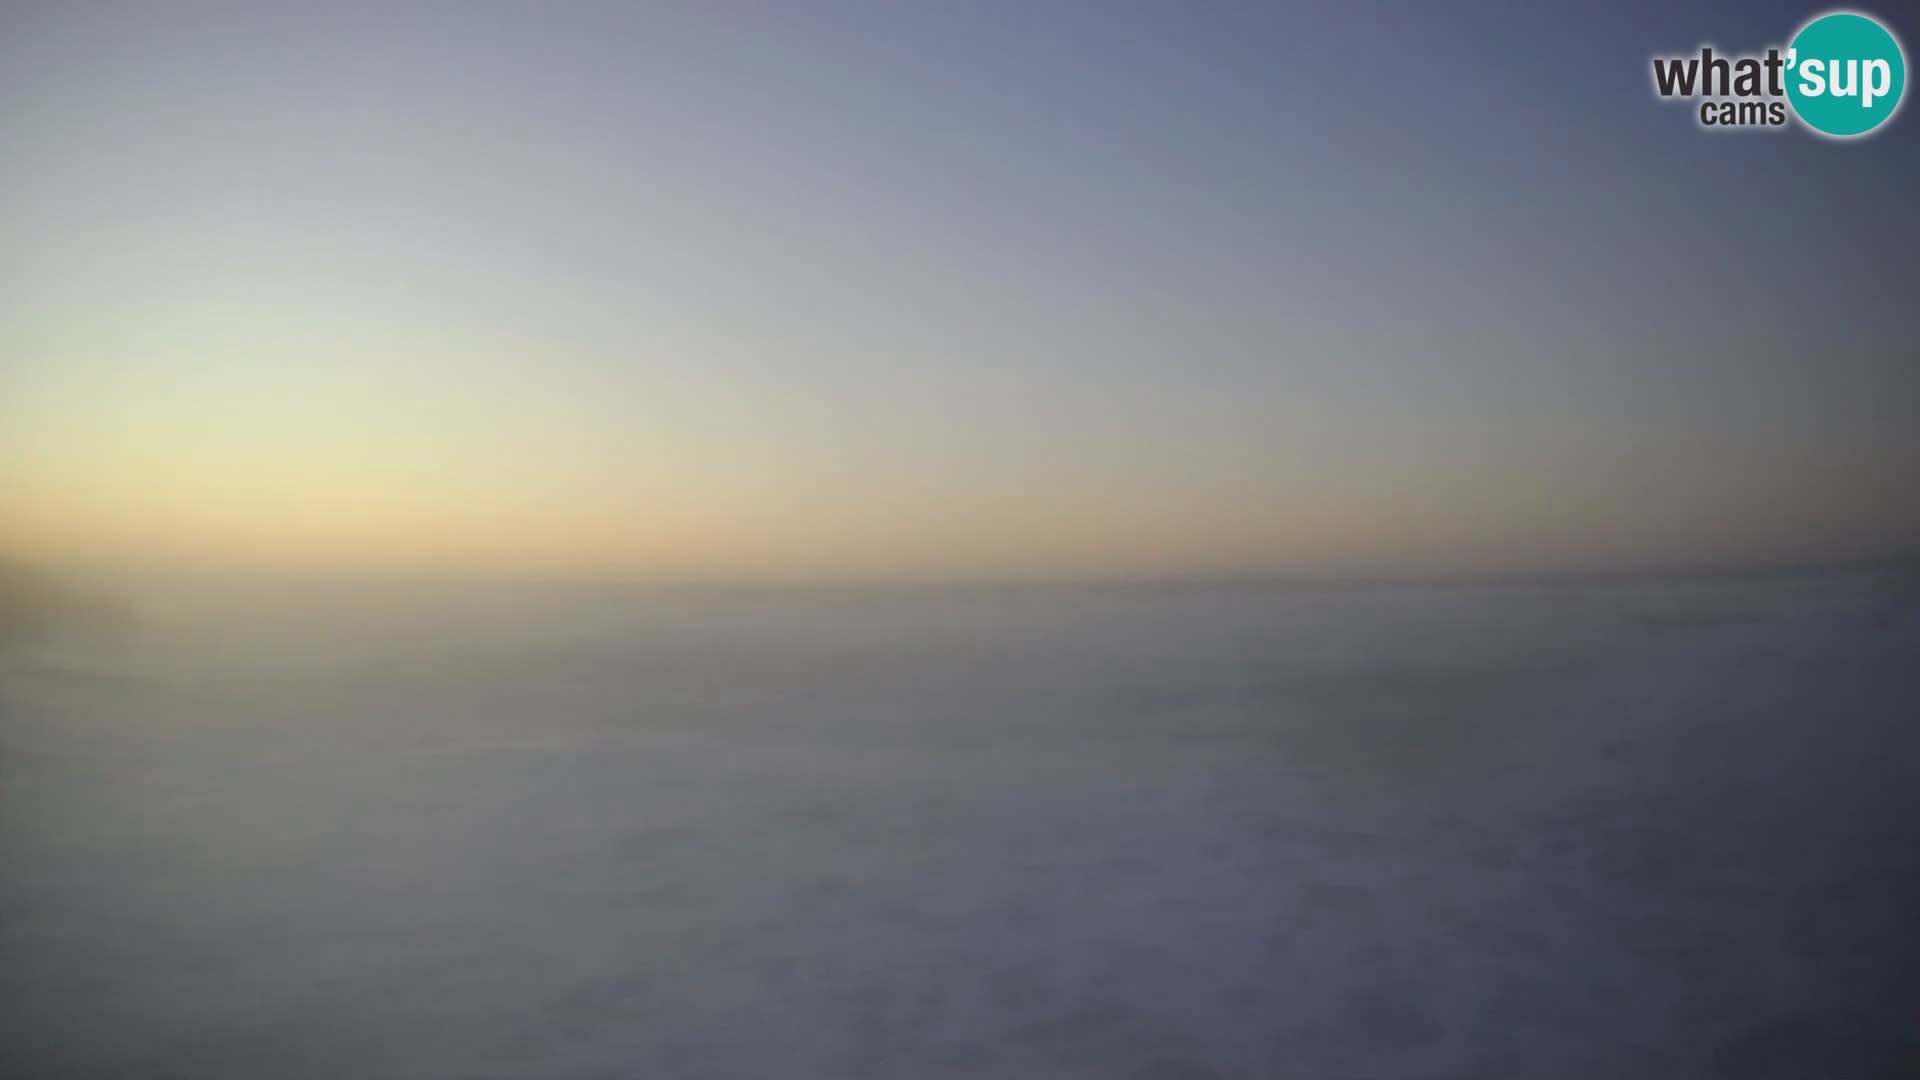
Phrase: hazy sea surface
(1602, 829)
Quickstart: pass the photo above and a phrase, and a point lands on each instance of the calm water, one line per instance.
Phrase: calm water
(1565, 830)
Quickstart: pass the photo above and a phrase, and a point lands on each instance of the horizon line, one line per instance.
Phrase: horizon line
(1900, 563)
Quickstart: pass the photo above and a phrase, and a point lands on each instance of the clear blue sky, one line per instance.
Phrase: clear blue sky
(819, 289)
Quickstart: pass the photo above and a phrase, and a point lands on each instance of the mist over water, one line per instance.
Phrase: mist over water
(1661, 828)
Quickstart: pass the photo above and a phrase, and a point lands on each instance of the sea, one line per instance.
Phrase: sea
(1569, 827)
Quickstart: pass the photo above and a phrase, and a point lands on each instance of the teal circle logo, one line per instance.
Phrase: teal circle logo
(1845, 74)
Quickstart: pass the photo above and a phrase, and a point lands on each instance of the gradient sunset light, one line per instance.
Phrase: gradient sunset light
(849, 292)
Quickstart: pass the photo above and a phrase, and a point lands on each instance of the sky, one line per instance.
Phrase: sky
(719, 291)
